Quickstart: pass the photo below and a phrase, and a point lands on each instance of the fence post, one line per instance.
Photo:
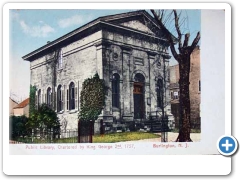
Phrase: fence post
(79, 131)
(51, 135)
(91, 129)
(47, 132)
(32, 134)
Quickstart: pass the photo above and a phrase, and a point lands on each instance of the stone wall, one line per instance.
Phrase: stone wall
(126, 55)
(105, 52)
(79, 63)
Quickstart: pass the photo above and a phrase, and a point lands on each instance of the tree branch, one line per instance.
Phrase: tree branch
(185, 44)
(178, 30)
(167, 33)
(195, 41)
(162, 15)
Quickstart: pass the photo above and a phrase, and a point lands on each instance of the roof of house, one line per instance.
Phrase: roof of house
(22, 104)
(104, 20)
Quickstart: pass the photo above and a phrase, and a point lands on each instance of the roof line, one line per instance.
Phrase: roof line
(60, 39)
(84, 27)
(134, 30)
(22, 104)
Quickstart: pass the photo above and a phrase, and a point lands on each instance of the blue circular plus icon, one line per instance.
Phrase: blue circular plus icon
(227, 145)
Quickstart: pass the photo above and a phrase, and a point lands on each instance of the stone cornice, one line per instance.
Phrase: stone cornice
(126, 49)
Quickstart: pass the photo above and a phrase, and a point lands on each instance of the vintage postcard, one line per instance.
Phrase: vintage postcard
(97, 82)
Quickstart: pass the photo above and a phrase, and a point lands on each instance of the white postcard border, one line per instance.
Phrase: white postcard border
(18, 164)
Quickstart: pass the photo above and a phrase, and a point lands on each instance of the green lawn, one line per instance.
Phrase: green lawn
(106, 138)
(124, 136)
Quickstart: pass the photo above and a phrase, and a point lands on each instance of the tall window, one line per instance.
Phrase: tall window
(49, 97)
(160, 93)
(72, 96)
(39, 98)
(115, 90)
(60, 59)
(59, 99)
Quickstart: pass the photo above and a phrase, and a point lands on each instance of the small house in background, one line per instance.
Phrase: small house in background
(12, 104)
(22, 108)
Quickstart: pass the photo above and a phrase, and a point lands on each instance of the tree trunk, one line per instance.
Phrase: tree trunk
(183, 58)
(185, 126)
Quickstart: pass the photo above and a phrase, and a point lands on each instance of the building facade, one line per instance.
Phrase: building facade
(12, 104)
(127, 50)
(194, 90)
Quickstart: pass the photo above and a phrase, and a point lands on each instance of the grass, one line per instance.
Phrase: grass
(42, 141)
(106, 138)
(66, 140)
(124, 136)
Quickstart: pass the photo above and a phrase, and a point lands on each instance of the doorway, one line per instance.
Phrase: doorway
(138, 95)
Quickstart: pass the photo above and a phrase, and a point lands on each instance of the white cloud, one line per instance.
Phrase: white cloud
(74, 20)
(14, 15)
(36, 31)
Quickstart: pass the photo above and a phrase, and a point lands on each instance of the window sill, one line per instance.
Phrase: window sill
(72, 111)
(115, 109)
(60, 112)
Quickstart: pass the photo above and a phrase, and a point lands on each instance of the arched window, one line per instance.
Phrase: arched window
(115, 90)
(160, 93)
(49, 97)
(72, 96)
(39, 98)
(59, 99)
(139, 78)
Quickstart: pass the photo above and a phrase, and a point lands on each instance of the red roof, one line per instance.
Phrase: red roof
(22, 104)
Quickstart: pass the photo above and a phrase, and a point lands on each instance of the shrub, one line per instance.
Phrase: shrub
(17, 126)
(92, 98)
(44, 117)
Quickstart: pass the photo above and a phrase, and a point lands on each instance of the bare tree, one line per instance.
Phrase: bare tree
(183, 58)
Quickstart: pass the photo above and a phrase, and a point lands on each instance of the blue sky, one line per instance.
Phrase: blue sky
(31, 29)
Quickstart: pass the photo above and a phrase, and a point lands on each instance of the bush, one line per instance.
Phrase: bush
(44, 117)
(92, 98)
(17, 126)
